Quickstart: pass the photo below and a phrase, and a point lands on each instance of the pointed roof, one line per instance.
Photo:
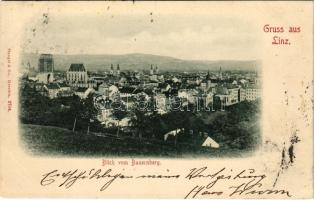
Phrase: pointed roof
(77, 67)
(209, 142)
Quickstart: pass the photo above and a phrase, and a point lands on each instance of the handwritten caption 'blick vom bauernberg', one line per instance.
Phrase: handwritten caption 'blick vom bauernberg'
(200, 182)
(278, 31)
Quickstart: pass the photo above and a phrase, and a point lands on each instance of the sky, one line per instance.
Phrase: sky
(197, 37)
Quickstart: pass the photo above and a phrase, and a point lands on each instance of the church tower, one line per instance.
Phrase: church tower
(156, 70)
(151, 70)
(118, 70)
(111, 69)
(45, 68)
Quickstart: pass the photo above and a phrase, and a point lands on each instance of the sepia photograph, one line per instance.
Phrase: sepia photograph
(163, 86)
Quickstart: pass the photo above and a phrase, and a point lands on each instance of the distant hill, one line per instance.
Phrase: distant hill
(139, 62)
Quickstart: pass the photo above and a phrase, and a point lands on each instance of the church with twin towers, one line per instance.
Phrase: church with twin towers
(153, 70)
(114, 72)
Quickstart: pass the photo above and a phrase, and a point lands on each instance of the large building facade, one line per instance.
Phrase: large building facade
(77, 75)
(252, 93)
(45, 68)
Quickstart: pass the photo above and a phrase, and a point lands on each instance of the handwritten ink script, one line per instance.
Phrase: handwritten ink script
(207, 182)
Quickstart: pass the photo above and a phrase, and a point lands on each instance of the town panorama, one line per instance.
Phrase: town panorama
(143, 112)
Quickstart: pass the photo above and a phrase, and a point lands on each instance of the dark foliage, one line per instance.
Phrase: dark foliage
(61, 112)
(236, 129)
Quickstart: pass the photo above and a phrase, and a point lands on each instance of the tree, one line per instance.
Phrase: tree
(35, 108)
(154, 123)
(177, 120)
(119, 114)
(153, 118)
(139, 120)
(90, 112)
(76, 109)
(67, 112)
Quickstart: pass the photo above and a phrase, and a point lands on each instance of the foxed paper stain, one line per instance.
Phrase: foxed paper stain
(270, 146)
(288, 155)
(305, 104)
(45, 18)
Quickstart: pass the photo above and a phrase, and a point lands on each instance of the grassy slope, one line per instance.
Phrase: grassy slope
(54, 141)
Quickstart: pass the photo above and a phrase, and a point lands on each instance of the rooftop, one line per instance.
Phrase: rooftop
(127, 90)
(52, 86)
(45, 56)
(77, 67)
(253, 86)
(63, 85)
(81, 89)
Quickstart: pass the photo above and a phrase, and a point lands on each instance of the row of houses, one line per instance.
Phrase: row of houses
(233, 94)
(227, 94)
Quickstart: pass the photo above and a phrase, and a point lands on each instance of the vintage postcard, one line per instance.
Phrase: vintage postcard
(156, 99)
